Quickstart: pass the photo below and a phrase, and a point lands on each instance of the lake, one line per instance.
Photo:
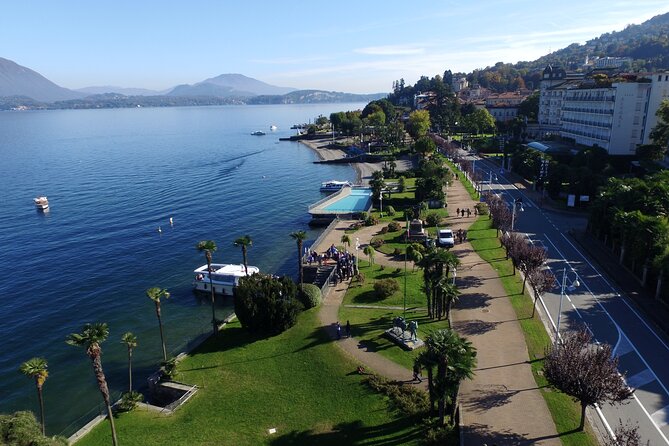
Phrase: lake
(113, 177)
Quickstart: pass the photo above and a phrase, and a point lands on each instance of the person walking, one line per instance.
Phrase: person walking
(457, 212)
(348, 329)
(338, 330)
(416, 373)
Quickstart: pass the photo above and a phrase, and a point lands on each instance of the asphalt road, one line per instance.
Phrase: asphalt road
(596, 304)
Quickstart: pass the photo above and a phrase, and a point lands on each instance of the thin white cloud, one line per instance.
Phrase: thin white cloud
(390, 50)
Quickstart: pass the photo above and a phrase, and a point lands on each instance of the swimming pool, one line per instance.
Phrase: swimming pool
(359, 200)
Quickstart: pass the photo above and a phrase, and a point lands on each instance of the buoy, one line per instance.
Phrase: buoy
(160, 229)
(171, 222)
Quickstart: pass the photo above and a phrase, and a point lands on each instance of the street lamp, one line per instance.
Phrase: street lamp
(517, 205)
(357, 246)
(574, 284)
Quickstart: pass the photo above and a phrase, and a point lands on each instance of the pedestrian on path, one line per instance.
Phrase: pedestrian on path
(416, 373)
(457, 212)
(338, 330)
(469, 212)
(348, 329)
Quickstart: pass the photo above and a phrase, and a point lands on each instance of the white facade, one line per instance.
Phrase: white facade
(550, 99)
(659, 91)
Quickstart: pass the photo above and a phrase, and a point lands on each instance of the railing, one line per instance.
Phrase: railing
(329, 197)
(175, 404)
(320, 238)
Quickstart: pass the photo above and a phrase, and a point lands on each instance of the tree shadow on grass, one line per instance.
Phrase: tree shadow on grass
(366, 297)
(395, 432)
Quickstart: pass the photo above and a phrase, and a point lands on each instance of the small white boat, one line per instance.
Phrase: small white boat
(258, 133)
(224, 277)
(334, 186)
(41, 203)
(273, 127)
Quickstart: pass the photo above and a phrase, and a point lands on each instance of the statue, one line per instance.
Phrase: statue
(400, 323)
(413, 329)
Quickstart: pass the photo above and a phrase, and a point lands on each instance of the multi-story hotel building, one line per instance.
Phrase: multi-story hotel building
(616, 115)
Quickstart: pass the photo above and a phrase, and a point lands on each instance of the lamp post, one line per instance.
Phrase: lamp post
(381, 202)
(517, 204)
(357, 246)
(575, 284)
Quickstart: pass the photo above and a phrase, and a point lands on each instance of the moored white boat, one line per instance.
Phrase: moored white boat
(334, 186)
(41, 203)
(273, 127)
(258, 133)
(224, 277)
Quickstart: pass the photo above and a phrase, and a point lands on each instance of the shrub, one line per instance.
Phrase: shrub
(481, 208)
(390, 210)
(360, 278)
(393, 226)
(21, 428)
(266, 304)
(384, 230)
(371, 221)
(310, 296)
(168, 368)
(397, 252)
(407, 399)
(386, 287)
(401, 186)
(432, 219)
(129, 401)
(437, 435)
(377, 242)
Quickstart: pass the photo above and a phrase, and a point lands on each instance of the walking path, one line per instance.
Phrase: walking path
(501, 404)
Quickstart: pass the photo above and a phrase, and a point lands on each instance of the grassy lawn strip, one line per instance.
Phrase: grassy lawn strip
(368, 324)
(465, 182)
(298, 382)
(566, 413)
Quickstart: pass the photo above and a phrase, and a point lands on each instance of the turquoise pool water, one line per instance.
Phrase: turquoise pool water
(358, 201)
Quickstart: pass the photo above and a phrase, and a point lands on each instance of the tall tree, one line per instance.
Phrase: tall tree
(346, 240)
(244, 242)
(90, 338)
(369, 252)
(155, 294)
(454, 358)
(130, 341)
(660, 133)
(299, 237)
(586, 372)
(541, 281)
(418, 123)
(208, 247)
(36, 368)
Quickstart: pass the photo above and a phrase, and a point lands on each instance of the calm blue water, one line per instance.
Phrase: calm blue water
(357, 201)
(112, 178)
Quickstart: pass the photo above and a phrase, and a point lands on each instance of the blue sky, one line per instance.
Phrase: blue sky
(353, 46)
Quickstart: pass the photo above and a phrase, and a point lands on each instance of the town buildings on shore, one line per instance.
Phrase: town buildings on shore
(611, 110)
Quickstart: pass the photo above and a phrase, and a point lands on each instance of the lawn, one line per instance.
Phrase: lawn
(566, 413)
(298, 382)
(368, 324)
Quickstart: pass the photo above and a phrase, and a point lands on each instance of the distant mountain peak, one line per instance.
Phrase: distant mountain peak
(17, 80)
(229, 85)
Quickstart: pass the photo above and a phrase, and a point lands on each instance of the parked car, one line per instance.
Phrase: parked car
(445, 238)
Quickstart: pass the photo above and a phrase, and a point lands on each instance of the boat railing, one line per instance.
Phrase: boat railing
(330, 197)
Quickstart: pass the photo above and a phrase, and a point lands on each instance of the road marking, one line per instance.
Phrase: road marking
(620, 331)
(640, 379)
(661, 417)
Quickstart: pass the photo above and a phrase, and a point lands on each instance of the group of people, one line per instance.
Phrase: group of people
(461, 212)
(461, 235)
(346, 266)
(348, 329)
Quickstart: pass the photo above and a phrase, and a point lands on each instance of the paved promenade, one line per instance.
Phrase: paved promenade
(501, 405)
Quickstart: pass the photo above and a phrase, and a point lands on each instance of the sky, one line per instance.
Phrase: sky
(352, 46)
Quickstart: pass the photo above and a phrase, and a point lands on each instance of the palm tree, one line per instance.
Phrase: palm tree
(244, 242)
(448, 295)
(369, 252)
(299, 237)
(91, 338)
(209, 246)
(155, 294)
(130, 341)
(37, 368)
(346, 240)
(455, 359)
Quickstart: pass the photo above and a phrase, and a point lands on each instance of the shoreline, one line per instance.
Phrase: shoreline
(363, 170)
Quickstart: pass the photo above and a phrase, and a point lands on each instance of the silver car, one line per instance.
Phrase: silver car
(445, 238)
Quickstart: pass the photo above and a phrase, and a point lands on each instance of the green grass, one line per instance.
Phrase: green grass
(368, 324)
(298, 382)
(466, 183)
(566, 413)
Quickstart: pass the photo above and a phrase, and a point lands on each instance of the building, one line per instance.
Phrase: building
(504, 106)
(616, 113)
(459, 84)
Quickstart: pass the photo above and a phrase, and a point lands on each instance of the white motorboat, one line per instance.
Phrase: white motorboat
(273, 127)
(258, 133)
(224, 277)
(41, 203)
(334, 186)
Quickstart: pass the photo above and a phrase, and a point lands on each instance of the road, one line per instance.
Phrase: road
(597, 304)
